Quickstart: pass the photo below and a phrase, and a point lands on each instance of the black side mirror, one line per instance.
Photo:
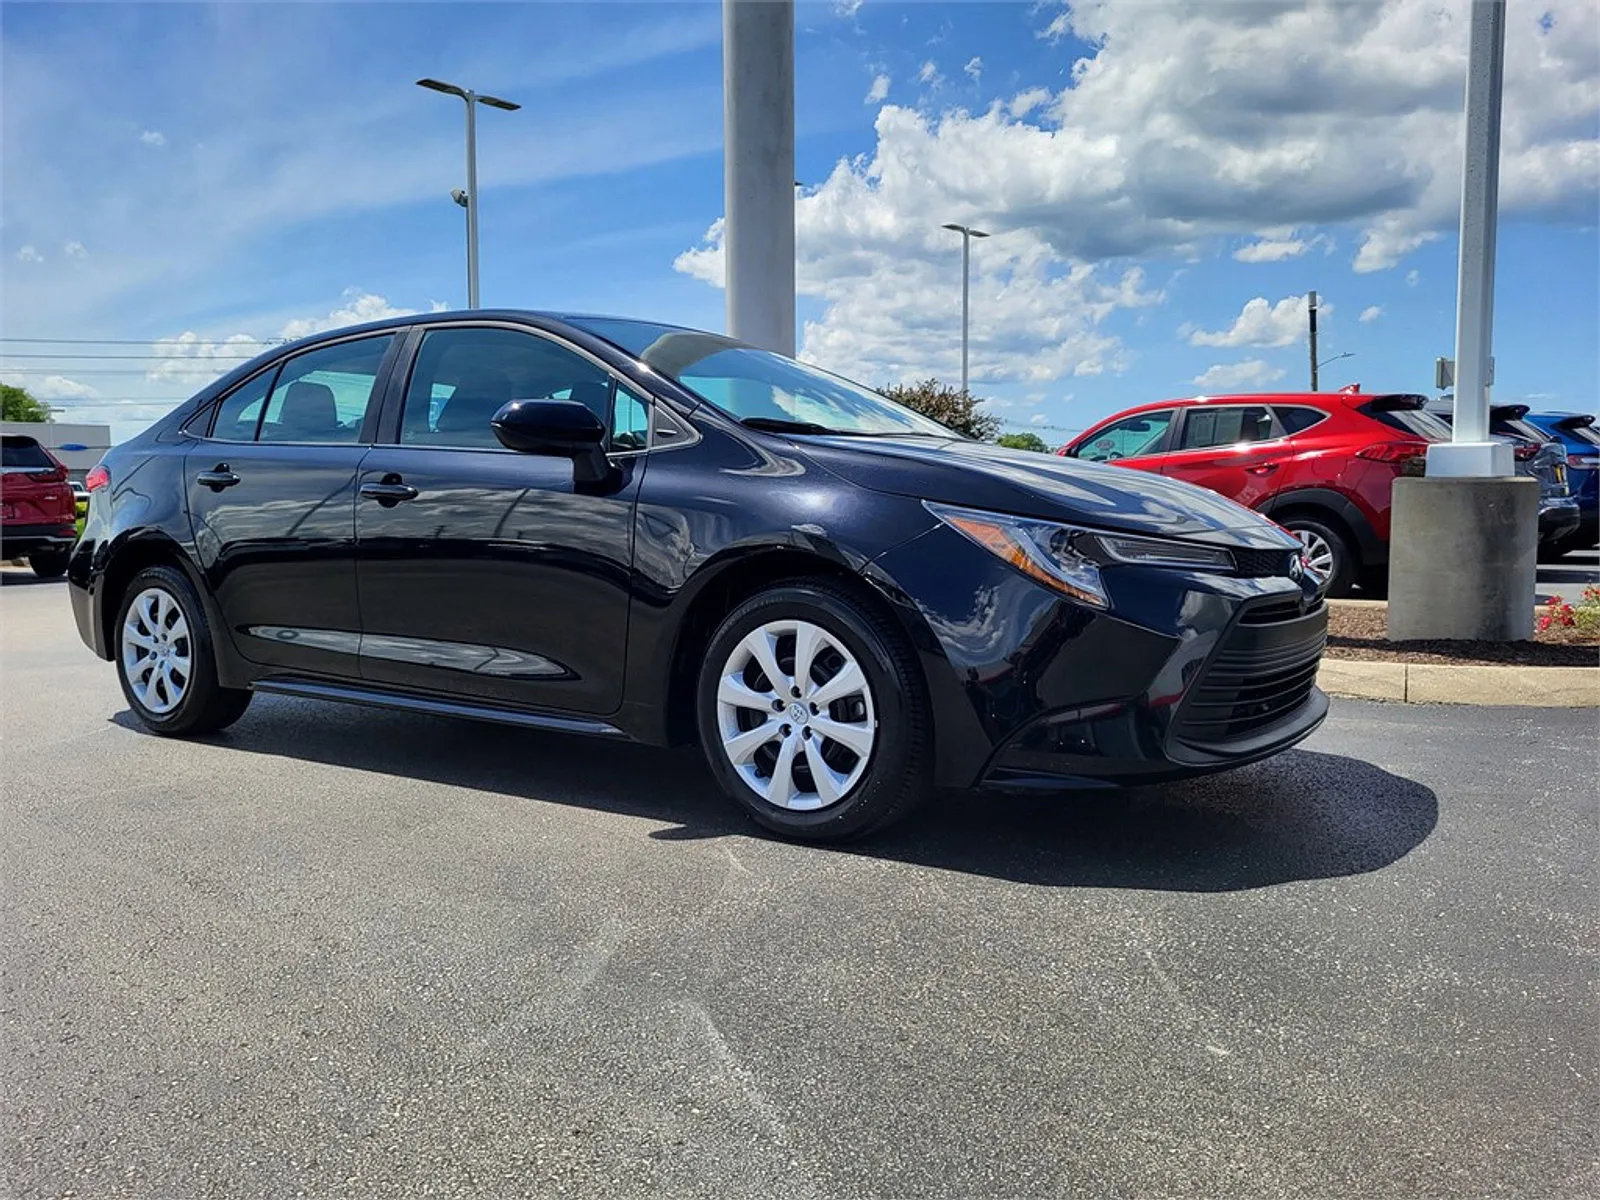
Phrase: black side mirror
(561, 428)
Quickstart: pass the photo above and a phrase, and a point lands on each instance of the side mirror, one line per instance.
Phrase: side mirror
(560, 428)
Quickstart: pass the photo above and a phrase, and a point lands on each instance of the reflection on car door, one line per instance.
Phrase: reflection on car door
(271, 495)
(1236, 450)
(487, 573)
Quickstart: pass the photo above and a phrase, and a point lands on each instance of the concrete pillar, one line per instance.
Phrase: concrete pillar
(758, 171)
(1461, 559)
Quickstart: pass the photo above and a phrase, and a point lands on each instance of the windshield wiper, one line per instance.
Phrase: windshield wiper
(781, 425)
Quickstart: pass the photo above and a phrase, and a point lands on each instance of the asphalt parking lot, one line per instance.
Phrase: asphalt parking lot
(338, 952)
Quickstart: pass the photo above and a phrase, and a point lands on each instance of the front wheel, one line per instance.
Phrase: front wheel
(813, 714)
(165, 662)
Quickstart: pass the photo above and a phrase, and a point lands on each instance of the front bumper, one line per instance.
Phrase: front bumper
(1187, 673)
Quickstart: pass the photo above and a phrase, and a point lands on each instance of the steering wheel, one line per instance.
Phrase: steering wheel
(1113, 456)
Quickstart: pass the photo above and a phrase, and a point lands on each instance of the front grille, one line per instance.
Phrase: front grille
(1264, 669)
(1259, 564)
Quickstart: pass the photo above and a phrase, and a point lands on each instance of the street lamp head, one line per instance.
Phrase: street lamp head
(459, 196)
(966, 229)
(448, 89)
(496, 102)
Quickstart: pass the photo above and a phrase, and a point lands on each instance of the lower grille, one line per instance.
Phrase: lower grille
(1262, 672)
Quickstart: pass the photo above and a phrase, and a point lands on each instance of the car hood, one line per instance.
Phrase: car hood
(1025, 482)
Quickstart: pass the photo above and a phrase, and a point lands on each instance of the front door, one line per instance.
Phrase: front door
(1137, 441)
(272, 503)
(484, 573)
(1236, 450)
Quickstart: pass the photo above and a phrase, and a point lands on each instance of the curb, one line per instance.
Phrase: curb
(1435, 683)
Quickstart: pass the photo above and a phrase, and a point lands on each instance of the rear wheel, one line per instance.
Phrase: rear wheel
(813, 714)
(165, 661)
(1327, 550)
(49, 564)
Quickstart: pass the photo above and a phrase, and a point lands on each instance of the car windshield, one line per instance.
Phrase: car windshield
(22, 452)
(759, 386)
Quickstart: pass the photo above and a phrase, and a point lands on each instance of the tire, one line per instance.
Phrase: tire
(1326, 543)
(49, 564)
(160, 617)
(877, 770)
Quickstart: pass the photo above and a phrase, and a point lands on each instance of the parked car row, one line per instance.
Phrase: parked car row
(1323, 464)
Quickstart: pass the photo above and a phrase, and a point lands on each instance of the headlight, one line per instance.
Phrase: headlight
(1068, 558)
(1041, 550)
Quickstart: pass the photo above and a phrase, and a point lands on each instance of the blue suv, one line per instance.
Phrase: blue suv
(1577, 434)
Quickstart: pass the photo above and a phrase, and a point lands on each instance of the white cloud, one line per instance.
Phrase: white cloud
(879, 91)
(1227, 377)
(1271, 250)
(59, 387)
(929, 74)
(29, 255)
(1037, 419)
(1413, 277)
(1384, 246)
(1371, 313)
(1024, 103)
(193, 358)
(1059, 27)
(1262, 324)
(75, 250)
(847, 8)
(974, 69)
(153, 137)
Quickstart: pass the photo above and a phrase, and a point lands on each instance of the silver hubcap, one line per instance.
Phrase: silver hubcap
(1318, 553)
(156, 651)
(796, 715)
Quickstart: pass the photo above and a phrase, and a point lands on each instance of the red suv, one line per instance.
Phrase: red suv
(1321, 464)
(38, 514)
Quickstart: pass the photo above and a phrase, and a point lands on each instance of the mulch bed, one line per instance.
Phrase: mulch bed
(1359, 633)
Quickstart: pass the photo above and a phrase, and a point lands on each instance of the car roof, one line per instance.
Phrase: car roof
(1312, 399)
(543, 318)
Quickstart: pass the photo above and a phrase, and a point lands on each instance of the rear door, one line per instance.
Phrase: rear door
(485, 573)
(272, 489)
(1236, 450)
(1137, 441)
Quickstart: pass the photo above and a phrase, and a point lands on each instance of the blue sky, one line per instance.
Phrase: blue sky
(1162, 180)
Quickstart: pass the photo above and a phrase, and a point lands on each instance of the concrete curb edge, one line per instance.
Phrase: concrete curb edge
(1434, 683)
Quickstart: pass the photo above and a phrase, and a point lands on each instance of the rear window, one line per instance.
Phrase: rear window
(18, 451)
(1414, 421)
(1522, 429)
(1584, 433)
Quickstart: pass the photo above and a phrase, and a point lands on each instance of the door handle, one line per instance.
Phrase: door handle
(217, 478)
(388, 491)
(1262, 468)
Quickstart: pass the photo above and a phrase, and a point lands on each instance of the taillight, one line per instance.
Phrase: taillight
(1523, 451)
(97, 478)
(1583, 462)
(1393, 452)
(49, 475)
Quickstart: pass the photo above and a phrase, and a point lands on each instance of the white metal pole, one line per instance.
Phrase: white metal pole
(472, 199)
(966, 263)
(758, 170)
(1480, 187)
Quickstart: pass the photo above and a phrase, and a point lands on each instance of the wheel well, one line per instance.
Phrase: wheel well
(124, 565)
(732, 586)
(1329, 518)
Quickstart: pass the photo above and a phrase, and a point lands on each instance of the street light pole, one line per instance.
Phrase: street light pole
(967, 234)
(1311, 317)
(469, 198)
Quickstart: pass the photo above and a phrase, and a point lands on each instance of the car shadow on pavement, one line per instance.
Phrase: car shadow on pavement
(26, 578)
(1303, 815)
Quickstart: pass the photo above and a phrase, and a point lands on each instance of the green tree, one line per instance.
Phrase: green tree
(1023, 441)
(949, 406)
(17, 405)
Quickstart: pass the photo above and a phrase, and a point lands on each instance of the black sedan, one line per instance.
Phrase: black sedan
(634, 530)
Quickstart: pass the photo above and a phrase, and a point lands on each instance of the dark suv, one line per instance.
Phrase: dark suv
(639, 531)
(38, 513)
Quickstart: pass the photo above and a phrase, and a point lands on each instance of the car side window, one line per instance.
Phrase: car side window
(1206, 427)
(1295, 420)
(630, 421)
(464, 376)
(239, 414)
(321, 396)
(1127, 438)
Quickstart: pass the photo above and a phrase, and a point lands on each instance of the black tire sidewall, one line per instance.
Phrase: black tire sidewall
(897, 769)
(1344, 564)
(49, 564)
(204, 702)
